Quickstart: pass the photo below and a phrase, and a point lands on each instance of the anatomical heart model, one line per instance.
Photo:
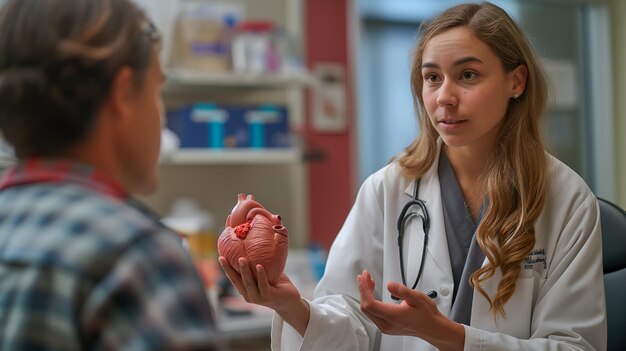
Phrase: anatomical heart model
(256, 234)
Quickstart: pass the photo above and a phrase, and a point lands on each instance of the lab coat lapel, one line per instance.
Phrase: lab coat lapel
(430, 193)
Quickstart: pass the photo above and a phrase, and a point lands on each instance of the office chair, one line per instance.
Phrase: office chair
(613, 221)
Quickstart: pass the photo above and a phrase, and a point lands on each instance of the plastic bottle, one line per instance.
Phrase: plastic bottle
(251, 47)
(228, 36)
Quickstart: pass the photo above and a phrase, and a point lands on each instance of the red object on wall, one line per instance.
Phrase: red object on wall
(331, 180)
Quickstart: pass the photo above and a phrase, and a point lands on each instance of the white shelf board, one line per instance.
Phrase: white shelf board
(232, 156)
(199, 78)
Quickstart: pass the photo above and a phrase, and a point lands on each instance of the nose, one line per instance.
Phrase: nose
(447, 94)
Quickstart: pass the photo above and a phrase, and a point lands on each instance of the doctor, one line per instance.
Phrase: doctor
(475, 238)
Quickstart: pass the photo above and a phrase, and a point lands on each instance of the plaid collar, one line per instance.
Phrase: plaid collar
(39, 170)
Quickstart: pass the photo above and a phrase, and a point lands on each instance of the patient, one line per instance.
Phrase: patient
(82, 266)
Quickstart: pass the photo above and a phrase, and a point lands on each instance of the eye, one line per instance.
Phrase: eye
(468, 75)
(431, 78)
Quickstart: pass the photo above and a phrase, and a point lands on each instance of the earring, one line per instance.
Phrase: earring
(515, 96)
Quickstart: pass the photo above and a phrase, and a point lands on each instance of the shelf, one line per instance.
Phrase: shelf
(278, 175)
(232, 156)
(181, 77)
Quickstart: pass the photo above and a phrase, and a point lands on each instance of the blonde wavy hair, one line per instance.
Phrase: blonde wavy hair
(515, 178)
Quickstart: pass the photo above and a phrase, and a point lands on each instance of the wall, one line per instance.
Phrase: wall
(618, 30)
(331, 180)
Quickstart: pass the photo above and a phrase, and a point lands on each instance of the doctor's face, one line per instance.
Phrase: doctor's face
(466, 91)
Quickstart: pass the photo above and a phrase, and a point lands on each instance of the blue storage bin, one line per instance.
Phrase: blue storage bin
(206, 125)
(200, 125)
(268, 126)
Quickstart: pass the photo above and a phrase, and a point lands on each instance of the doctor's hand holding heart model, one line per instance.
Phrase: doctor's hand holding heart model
(474, 238)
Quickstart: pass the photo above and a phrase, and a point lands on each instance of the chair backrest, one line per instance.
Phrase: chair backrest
(613, 221)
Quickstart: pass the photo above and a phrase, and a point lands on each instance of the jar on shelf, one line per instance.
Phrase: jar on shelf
(204, 33)
(253, 48)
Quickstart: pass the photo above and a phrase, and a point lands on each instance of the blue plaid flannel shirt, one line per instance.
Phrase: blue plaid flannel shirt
(81, 268)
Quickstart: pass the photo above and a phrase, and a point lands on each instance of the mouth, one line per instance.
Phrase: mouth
(450, 122)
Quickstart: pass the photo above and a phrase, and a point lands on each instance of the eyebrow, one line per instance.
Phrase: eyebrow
(456, 63)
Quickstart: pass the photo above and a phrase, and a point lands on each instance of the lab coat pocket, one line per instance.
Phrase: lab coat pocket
(518, 310)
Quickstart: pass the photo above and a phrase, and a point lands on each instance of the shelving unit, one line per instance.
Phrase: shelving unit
(213, 177)
(233, 157)
(178, 77)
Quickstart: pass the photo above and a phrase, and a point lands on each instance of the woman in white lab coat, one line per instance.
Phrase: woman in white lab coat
(501, 247)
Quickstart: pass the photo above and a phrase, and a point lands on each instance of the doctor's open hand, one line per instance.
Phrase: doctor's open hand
(283, 297)
(416, 315)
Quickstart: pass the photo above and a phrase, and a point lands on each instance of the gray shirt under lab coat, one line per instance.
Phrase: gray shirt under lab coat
(465, 254)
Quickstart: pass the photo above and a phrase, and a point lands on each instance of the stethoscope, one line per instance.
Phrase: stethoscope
(420, 211)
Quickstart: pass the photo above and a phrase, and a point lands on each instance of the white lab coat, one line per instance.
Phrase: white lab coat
(558, 303)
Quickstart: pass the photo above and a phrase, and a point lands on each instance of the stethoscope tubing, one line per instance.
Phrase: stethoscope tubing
(404, 217)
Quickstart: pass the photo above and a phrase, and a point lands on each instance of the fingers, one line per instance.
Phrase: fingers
(408, 317)
(232, 275)
(246, 273)
(367, 280)
(402, 292)
(365, 285)
(385, 311)
(262, 281)
(373, 308)
(258, 288)
(366, 289)
(244, 281)
(390, 318)
(412, 297)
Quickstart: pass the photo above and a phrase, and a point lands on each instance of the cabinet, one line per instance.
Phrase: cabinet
(214, 177)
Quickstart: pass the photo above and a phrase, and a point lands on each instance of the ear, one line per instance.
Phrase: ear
(121, 93)
(519, 76)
